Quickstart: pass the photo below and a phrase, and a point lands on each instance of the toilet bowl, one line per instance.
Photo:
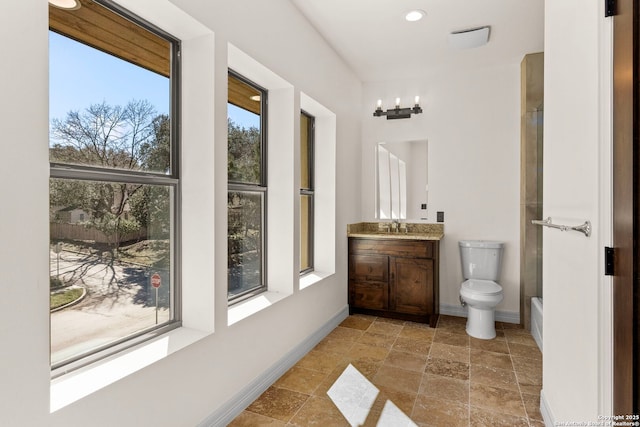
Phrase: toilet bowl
(481, 261)
(481, 298)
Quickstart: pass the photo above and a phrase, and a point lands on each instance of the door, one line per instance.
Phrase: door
(625, 211)
(411, 286)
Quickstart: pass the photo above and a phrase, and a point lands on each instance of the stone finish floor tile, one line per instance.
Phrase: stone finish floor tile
(449, 352)
(438, 412)
(321, 361)
(527, 351)
(300, 379)
(417, 333)
(448, 320)
(377, 340)
(332, 345)
(357, 322)
(448, 368)
(480, 417)
(445, 388)
(528, 373)
(278, 403)
(385, 328)
(368, 352)
(405, 360)
(390, 320)
(436, 376)
(450, 338)
(404, 400)
(398, 379)
(251, 419)
(411, 345)
(497, 399)
(454, 328)
(321, 412)
(491, 359)
(347, 334)
(532, 406)
(502, 378)
(496, 345)
(520, 338)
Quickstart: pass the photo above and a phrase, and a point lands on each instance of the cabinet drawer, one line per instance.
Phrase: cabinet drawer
(407, 248)
(368, 295)
(369, 267)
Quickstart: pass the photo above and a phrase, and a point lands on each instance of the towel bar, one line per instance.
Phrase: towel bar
(584, 228)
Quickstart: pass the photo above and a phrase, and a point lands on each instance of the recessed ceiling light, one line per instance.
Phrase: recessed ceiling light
(65, 4)
(414, 15)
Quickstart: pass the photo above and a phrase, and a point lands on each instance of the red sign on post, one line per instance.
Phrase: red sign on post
(156, 280)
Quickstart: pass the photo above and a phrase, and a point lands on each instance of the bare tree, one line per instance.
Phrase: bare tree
(133, 137)
(105, 135)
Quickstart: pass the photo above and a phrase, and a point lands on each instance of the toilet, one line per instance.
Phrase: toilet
(481, 262)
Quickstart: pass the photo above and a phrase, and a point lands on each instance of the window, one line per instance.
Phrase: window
(307, 130)
(247, 193)
(114, 182)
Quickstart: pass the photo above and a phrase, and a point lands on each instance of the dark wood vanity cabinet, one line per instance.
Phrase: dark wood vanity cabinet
(395, 278)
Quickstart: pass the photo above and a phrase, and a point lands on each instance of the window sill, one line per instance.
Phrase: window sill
(312, 278)
(78, 384)
(253, 305)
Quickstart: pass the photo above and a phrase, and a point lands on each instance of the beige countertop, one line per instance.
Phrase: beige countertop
(378, 230)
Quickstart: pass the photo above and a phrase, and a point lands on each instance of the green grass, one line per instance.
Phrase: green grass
(61, 298)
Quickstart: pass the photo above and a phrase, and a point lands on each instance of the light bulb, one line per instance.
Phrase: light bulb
(397, 102)
(379, 105)
(414, 15)
(417, 100)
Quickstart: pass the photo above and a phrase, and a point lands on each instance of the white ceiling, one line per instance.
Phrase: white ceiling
(373, 37)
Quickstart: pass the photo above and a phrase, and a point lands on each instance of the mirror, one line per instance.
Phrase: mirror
(401, 180)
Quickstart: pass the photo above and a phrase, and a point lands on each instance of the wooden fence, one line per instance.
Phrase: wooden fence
(59, 231)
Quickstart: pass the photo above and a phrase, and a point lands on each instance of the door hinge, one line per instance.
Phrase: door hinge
(609, 254)
(609, 7)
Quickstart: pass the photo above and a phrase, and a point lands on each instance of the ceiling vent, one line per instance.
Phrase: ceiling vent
(466, 39)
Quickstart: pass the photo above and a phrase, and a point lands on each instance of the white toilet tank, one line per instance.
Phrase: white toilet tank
(481, 259)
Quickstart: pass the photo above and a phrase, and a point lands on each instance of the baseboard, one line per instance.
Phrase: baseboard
(545, 410)
(460, 311)
(234, 406)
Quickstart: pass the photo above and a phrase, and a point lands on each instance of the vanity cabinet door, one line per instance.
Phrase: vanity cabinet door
(368, 281)
(411, 284)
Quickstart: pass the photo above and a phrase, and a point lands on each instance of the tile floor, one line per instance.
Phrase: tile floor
(436, 376)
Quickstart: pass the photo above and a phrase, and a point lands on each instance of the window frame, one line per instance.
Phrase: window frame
(89, 173)
(261, 187)
(310, 191)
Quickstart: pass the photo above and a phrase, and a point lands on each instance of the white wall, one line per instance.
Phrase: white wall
(187, 386)
(576, 188)
(471, 120)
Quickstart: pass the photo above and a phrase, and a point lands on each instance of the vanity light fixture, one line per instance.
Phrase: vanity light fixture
(397, 112)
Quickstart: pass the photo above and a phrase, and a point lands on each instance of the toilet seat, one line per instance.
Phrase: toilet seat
(481, 287)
